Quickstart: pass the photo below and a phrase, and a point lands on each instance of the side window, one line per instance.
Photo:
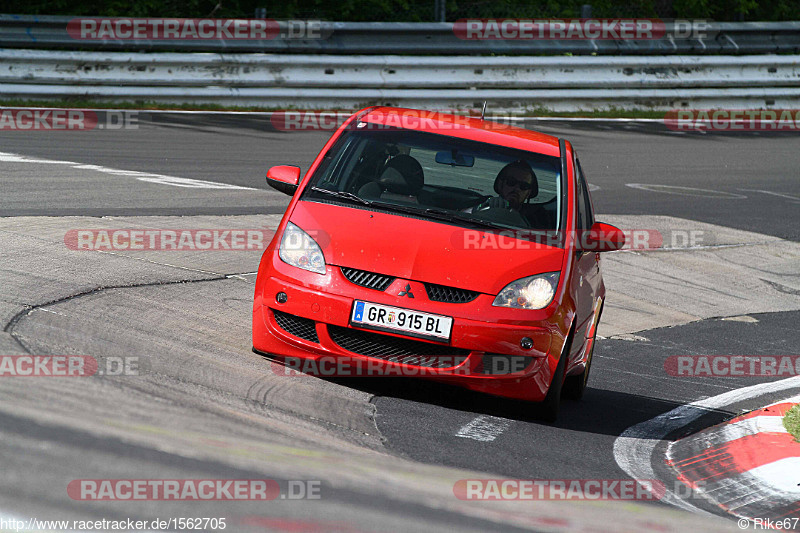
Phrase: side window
(587, 200)
(584, 216)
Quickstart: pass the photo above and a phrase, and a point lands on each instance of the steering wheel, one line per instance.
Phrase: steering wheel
(495, 209)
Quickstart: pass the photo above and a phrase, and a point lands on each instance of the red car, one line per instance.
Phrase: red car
(441, 246)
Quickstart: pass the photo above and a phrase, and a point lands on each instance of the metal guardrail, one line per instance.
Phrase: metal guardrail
(26, 31)
(313, 81)
(401, 72)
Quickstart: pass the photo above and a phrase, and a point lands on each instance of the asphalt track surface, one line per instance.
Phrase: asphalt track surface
(385, 451)
(731, 168)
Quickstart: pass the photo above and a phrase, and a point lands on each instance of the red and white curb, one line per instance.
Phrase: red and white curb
(636, 448)
(748, 466)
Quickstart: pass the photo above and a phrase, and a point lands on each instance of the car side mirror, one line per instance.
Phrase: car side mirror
(602, 238)
(284, 178)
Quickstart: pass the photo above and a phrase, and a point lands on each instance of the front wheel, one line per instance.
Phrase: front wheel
(575, 386)
(548, 409)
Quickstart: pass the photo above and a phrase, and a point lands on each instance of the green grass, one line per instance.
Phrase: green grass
(145, 105)
(791, 421)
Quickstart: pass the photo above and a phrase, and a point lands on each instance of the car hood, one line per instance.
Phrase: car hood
(422, 250)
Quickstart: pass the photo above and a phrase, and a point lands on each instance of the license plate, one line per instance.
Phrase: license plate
(397, 319)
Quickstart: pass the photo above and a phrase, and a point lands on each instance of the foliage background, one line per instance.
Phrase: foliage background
(413, 10)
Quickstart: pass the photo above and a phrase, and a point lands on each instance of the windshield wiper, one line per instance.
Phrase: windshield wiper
(437, 214)
(440, 214)
(343, 194)
(453, 217)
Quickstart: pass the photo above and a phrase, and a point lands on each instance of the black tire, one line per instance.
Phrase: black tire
(548, 409)
(575, 386)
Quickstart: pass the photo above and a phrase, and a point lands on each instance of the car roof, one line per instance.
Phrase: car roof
(463, 127)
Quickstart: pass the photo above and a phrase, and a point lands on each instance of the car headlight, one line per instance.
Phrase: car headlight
(533, 292)
(300, 250)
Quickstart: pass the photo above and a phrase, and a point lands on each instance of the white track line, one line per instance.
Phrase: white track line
(779, 194)
(742, 428)
(633, 449)
(781, 475)
(770, 424)
(484, 428)
(148, 177)
(685, 191)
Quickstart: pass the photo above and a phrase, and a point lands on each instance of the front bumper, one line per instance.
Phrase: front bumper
(481, 355)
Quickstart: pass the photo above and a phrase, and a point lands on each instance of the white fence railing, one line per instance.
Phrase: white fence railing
(511, 82)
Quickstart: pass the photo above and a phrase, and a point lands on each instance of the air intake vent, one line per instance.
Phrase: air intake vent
(441, 293)
(396, 349)
(370, 280)
(297, 326)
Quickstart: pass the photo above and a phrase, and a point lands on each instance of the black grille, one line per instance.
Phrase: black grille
(441, 293)
(370, 280)
(297, 326)
(396, 349)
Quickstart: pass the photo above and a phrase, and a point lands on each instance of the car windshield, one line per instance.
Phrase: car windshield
(443, 178)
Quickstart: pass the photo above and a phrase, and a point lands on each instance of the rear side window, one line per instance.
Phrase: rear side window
(585, 212)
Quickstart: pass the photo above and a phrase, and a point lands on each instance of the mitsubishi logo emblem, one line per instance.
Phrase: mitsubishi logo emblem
(406, 291)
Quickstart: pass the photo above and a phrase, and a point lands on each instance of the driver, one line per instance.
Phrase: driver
(516, 184)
